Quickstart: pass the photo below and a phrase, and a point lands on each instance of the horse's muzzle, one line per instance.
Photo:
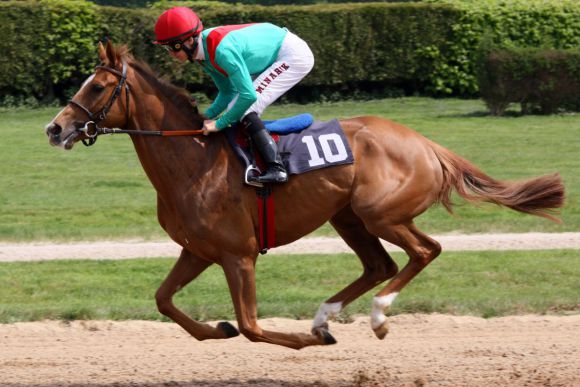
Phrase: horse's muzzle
(53, 132)
(53, 129)
(55, 137)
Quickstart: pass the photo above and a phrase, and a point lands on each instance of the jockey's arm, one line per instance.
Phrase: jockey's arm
(225, 95)
(241, 82)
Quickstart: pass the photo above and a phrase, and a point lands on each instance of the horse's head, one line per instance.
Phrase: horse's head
(102, 99)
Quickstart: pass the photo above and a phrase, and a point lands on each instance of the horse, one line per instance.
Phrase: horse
(204, 206)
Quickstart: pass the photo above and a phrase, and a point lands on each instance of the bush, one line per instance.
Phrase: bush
(45, 46)
(200, 6)
(274, 2)
(543, 80)
(49, 46)
(508, 23)
(123, 3)
(372, 46)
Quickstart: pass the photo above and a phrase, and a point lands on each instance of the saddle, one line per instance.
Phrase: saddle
(304, 145)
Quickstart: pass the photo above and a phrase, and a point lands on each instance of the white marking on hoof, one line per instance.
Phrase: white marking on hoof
(379, 306)
(326, 312)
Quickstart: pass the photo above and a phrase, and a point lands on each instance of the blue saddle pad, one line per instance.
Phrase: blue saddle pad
(290, 124)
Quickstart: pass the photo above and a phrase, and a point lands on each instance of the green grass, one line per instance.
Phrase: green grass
(102, 192)
(470, 283)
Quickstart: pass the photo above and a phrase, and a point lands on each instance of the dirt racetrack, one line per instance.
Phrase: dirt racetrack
(420, 350)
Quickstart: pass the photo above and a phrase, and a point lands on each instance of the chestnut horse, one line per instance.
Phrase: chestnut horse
(204, 206)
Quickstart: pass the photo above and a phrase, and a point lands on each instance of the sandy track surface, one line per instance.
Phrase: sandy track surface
(420, 350)
(315, 245)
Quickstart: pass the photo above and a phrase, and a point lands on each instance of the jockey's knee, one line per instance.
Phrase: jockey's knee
(252, 123)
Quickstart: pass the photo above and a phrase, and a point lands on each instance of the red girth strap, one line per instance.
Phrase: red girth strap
(266, 218)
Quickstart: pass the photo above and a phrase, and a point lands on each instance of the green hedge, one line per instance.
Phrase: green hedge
(508, 24)
(143, 3)
(49, 46)
(543, 80)
(375, 43)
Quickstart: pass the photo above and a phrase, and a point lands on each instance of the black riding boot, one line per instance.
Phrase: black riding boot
(268, 149)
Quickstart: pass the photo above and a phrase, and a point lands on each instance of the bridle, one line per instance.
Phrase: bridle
(95, 118)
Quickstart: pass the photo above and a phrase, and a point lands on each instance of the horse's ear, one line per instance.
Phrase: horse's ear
(102, 53)
(111, 54)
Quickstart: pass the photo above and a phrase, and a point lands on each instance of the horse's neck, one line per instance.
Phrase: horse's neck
(172, 163)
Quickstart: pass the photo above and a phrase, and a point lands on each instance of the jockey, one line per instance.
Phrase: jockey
(252, 65)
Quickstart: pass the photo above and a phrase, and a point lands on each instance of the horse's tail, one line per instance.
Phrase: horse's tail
(539, 196)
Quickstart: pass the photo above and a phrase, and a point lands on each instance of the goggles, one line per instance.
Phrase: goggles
(174, 46)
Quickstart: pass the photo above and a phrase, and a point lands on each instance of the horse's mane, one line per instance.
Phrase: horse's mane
(180, 97)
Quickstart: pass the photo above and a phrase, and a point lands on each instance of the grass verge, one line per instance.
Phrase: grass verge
(102, 192)
(484, 284)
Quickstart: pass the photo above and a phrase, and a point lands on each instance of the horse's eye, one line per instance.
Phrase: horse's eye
(96, 88)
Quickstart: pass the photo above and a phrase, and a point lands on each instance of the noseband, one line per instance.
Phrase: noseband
(94, 119)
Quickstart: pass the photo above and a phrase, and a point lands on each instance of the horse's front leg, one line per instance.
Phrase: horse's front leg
(185, 270)
(241, 276)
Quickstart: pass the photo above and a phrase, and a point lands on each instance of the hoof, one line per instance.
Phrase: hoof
(328, 338)
(382, 330)
(323, 334)
(228, 329)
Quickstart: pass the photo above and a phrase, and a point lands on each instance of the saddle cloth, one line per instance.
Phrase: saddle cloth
(321, 145)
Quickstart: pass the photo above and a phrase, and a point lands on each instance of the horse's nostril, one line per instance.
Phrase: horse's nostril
(54, 129)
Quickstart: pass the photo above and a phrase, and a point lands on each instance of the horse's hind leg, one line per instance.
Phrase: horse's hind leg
(240, 274)
(185, 270)
(421, 250)
(378, 266)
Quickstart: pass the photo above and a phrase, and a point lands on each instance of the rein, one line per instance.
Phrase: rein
(95, 118)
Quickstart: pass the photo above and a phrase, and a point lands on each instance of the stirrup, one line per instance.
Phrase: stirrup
(252, 171)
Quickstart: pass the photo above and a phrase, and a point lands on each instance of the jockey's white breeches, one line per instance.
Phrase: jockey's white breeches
(294, 62)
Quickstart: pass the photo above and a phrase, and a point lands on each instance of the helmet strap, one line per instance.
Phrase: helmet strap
(190, 52)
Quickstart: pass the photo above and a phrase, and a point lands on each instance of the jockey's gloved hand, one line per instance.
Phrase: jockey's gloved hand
(209, 127)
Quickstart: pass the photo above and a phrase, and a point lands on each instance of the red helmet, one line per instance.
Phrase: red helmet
(178, 23)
